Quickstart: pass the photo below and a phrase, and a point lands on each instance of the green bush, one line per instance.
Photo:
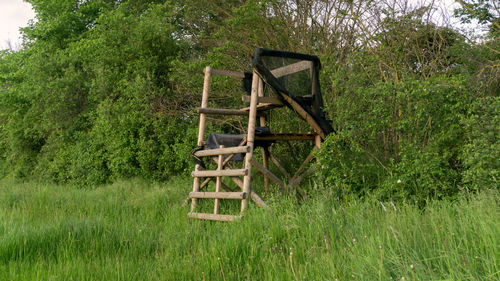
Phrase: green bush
(481, 154)
(398, 140)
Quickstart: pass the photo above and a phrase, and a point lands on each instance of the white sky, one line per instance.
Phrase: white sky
(13, 15)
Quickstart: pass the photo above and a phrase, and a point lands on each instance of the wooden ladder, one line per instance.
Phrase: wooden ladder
(246, 147)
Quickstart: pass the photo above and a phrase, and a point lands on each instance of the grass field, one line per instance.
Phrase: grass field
(134, 230)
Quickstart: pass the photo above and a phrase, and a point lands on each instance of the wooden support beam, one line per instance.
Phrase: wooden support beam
(221, 151)
(262, 99)
(222, 111)
(291, 68)
(268, 173)
(317, 141)
(218, 195)
(254, 196)
(263, 107)
(278, 165)
(223, 72)
(223, 173)
(295, 183)
(309, 119)
(213, 217)
(304, 164)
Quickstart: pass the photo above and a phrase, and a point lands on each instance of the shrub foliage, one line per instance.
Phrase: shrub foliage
(106, 89)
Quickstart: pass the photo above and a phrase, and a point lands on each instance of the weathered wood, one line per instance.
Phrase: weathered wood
(218, 181)
(306, 116)
(204, 103)
(262, 99)
(292, 68)
(254, 196)
(268, 173)
(223, 173)
(263, 107)
(317, 141)
(213, 217)
(222, 111)
(299, 179)
(250, 137)
(201, 131)
(218, 195)
(265, 152)
(235, 74)
(278, 165)
(304, 164)
(221, 151)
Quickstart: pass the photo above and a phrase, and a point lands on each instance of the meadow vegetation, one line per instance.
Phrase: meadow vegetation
(98, 119)
(137, 230)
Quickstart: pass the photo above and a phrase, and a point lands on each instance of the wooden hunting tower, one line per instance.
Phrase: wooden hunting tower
(278, 79)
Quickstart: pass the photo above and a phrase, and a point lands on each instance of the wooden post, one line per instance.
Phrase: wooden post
(250, 139)
(218, 181)
(317, 141)
(201, 132)
(265, 159)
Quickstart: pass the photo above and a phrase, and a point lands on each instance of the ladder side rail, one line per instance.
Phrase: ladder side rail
(201, 131)
(218, 182)
(250, 138)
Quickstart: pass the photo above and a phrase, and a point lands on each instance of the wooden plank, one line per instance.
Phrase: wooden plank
(218, 195)
(222, 111)
(223, 72)
(213, 217)
(265, 171)
(262, 99)
(223, 173)
(221, 151)
(292, 68)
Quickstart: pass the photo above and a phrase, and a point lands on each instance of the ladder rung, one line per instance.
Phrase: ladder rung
(213, 217)
(221, 151)
(218, 195)
(221, 173)
(222, 111)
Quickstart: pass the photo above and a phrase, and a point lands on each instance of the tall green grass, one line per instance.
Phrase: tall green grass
(134, 230)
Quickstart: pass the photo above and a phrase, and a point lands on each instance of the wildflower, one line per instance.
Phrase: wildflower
(412, 267)
(399, 181)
